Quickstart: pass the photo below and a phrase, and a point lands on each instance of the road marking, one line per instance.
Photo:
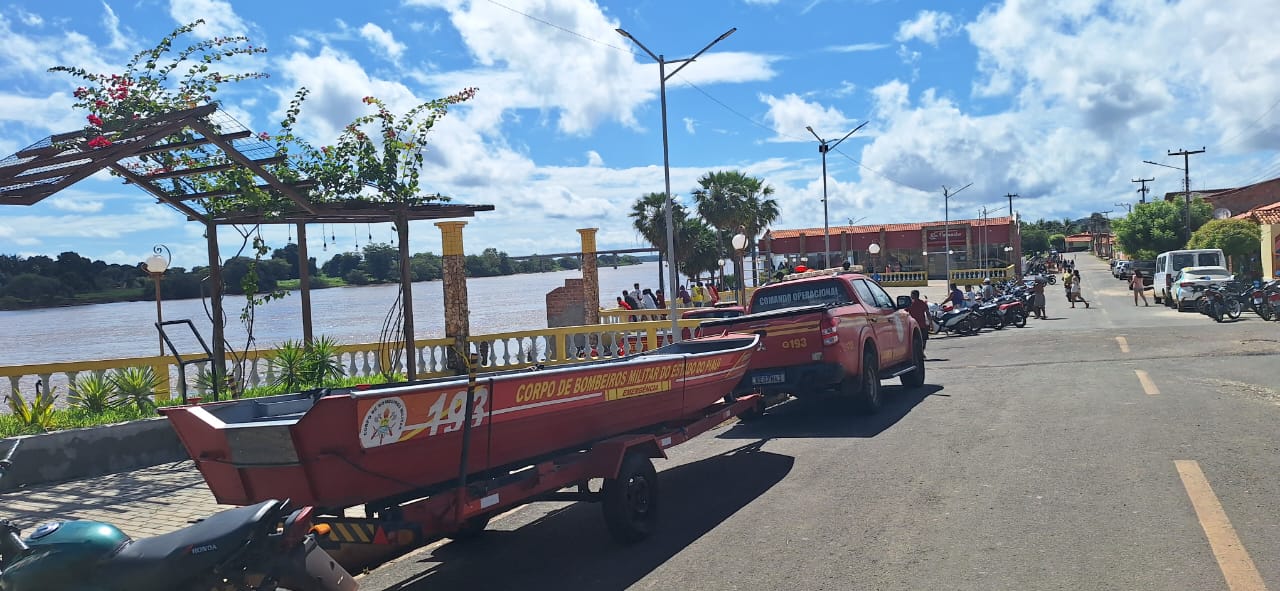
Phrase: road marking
(1124, 344)
(1232, 557)
(1148, 386)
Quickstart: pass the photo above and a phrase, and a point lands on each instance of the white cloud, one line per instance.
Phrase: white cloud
(29, 18)
(69, 203)
(689, 125)
(382, 39)
(928, 26)
(594, 159)
(857, 47)
(112, 23)
(219, 17)
(790, 114)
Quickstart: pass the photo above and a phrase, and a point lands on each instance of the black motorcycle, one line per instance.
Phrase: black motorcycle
(263, 547)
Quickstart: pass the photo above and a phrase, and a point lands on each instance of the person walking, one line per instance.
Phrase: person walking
(1135, 283)
(1075, 290)
(919, 310)
(1038, 299)
(699, 295)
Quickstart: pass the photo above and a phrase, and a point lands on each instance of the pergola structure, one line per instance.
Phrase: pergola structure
(208, 141)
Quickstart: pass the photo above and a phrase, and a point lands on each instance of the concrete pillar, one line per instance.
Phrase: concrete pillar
(1270, 246)
(457, 313)
(591, 277)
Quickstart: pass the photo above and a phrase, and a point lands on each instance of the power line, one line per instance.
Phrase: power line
(564, 29)
(1144, 188)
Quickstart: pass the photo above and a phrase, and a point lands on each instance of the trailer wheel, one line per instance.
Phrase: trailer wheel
(631, 500)
(472, 529)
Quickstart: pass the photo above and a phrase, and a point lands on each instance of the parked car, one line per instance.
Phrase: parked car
(1120, 269)
(1169, 263)
(1148, 269)
(1189, 280)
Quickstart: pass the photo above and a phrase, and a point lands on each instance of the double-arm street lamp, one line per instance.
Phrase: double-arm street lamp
(156, 265)
(825, 146)
(947, 194)
(663, 76)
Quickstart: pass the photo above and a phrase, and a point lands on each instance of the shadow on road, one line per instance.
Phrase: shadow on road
(570, 548)
(825, 416)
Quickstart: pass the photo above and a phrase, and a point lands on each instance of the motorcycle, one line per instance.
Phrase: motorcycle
(990, 315)
(1269, 309)
(946, 318)
(1212, 302)
(263, 547)
(1013, 309)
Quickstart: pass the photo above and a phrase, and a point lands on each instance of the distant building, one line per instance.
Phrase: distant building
(974, 244)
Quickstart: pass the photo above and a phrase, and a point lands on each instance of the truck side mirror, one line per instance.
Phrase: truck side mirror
(904, 302)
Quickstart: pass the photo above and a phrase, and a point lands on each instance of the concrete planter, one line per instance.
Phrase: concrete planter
(92, 451)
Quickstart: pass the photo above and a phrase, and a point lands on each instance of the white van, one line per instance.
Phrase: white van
(1169, 263)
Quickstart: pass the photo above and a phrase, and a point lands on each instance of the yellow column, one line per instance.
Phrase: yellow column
(457, 314)
(590, 277)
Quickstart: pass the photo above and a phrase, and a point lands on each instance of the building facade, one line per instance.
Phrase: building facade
(973, 244)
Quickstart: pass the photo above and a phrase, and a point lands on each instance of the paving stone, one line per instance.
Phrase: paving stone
(144, 502)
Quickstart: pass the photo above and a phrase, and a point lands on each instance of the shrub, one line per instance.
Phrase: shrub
(94, 393)
(298, 367)
(290, 366)
(37, 414)
(136, 385)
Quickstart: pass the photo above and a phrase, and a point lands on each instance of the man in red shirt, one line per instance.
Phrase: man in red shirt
(919, 310)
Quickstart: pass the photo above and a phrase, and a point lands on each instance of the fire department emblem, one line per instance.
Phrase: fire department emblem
(383, 423)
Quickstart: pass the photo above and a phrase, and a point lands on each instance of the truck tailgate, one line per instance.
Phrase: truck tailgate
(788, 337)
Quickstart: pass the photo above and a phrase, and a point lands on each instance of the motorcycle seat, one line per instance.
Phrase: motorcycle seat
(196, 548)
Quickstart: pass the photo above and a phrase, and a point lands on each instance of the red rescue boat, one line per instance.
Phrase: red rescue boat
(348, 447)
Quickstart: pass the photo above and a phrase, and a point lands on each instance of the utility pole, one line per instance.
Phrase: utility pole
(946, 227)
(663, 76)
(1127, 206)
(1186, 176)
(1011, 197)
(1144, 189)
(825, 146)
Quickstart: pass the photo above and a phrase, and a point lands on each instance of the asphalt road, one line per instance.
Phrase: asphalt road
(1057, 456)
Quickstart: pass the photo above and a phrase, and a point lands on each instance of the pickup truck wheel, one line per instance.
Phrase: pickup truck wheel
(631, 500)
(915, 378)
(864, 390)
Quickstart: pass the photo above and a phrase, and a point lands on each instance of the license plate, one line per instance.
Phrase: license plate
(1257, 300)
(777, 377)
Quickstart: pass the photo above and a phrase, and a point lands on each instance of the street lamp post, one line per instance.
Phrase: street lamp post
(947, 194)
(739, 248)
(663, 76)
(825, 146)
(156, 266)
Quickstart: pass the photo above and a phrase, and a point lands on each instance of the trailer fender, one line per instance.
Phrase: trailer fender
(613, 451)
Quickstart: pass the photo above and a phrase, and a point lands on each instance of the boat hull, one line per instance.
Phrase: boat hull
(361, 446)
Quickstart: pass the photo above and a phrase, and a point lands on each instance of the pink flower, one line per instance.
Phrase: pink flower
(101, 104)
(264, 136)
(95, 120)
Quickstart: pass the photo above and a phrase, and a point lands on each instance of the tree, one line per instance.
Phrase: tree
(1034, 239)
(1240, 240)
(1158, 226)
(382, 262)
(648, 217)
(1058, 242)
(731, 201)
(342, 263)
(425, 266)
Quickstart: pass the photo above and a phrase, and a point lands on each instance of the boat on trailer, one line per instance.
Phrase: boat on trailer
(381, 445)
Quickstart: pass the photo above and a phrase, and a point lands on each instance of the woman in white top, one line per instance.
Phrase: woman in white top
(1075, 290)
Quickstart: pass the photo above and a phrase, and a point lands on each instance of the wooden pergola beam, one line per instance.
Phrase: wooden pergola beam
(252, 165)
(200, 141)
(158, 193)
(186, 172)
(225, 192)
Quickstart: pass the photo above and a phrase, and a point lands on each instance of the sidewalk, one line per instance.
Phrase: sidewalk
(144, 502)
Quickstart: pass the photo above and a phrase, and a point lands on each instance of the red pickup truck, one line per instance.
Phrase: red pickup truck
(828, 329)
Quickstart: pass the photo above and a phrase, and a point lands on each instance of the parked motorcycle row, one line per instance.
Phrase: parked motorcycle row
(1010, 307)
(265, 547)
(1231, 300)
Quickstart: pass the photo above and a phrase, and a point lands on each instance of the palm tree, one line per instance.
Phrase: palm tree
(648, 217)
(731, 201)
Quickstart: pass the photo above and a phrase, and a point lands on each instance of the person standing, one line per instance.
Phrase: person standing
(683, 294)
(919, 310)
(1075, 290)
(635, 292)
(957, 297)
(1038, 299)
(699, 295)
(622, 304)
(647, 301)
(1139, 289)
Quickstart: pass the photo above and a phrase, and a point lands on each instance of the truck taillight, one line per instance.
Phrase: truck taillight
(1185, 285)
(830, 335)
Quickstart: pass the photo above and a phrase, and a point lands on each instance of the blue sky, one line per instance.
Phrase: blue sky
(1058, 101)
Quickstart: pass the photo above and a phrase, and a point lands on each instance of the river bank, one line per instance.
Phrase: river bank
(349, 314)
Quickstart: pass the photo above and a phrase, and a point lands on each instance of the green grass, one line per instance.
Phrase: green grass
(75, 418)
(318, 282)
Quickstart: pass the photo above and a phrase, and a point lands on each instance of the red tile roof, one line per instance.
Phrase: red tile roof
(779, 234)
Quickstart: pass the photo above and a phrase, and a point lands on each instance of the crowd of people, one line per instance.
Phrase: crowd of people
(696, 295)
